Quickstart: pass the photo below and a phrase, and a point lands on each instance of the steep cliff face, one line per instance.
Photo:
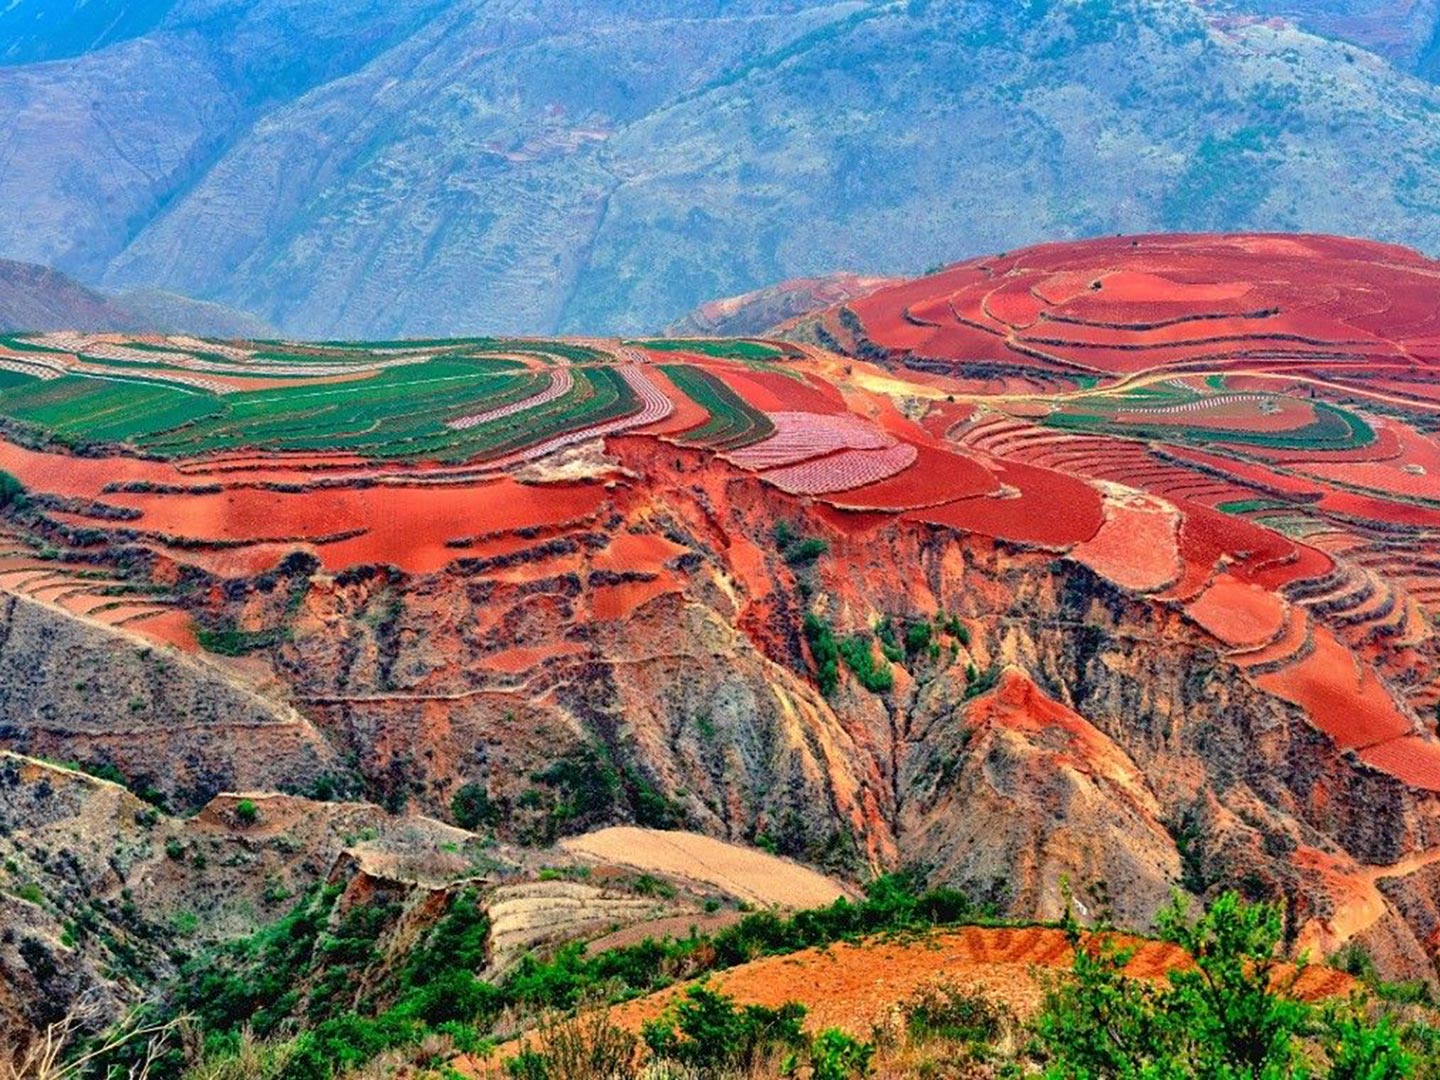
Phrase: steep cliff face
(650, 665)
(74, 690)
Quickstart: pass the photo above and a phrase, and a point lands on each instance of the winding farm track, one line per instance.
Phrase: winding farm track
(561, 382)
(654, 407)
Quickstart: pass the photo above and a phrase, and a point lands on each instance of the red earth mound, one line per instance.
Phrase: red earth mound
(1122, 305)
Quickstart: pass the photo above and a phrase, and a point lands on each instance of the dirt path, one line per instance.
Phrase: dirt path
(1364, 906)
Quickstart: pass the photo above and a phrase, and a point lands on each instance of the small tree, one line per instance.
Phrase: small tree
(246, 812)
(12, 492)
(472, 808)
(1227, 1016)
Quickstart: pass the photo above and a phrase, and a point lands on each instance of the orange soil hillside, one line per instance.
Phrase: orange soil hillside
(854, 986)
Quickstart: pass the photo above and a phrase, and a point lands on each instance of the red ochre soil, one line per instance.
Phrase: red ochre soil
(863, 447)
(1241, 615)
(1136, 545)
(856, 986)
(1049, 509)
(1124, 305)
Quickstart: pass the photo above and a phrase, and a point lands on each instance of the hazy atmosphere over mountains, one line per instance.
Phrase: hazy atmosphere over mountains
(364, 168)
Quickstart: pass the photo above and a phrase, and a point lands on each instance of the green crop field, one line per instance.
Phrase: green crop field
(78, 408)
(724, 350)
(393, 412)
(733, 423)
(1332, 429)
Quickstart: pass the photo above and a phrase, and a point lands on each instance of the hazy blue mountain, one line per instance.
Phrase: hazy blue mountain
(32, 30)
(430, 166)
(1406, 32)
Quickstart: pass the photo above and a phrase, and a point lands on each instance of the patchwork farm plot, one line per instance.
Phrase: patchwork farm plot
(1236, 430)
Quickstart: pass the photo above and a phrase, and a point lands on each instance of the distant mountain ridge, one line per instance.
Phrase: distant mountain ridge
(764, 310)
(38, 298)
(367, 169)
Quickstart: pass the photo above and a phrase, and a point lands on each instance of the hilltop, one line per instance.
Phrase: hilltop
(39, 298)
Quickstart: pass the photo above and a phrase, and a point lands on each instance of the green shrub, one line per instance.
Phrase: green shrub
(1361, 1050)
(705, 1030)
(834, 1055)
(1226, 1016)
(874, 675)
(977, 682)
(472, 808)
(246, 812)
(572, 1048)
(806, 551)
(12, 492)
(31, 892)
(826, 652)
(948, 1012)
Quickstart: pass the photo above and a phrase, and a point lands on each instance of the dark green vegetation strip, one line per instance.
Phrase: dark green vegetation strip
(304, 971)
(1333, 429)
(723, 349)
(733, 422)
(1254, 506)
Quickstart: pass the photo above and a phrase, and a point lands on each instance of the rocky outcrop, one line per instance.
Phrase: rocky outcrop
(1120, 752)
(764, 310)
(74, 690)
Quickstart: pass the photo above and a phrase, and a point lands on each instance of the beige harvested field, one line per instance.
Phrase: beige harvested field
(742, 872)
(538, 913)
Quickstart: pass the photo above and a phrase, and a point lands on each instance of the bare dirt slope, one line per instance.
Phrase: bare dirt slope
(740, 871)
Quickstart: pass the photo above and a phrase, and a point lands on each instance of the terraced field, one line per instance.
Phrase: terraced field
(1234, 436)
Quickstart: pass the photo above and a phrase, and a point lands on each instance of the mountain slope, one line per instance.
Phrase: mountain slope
(39, 298)
(464, 165)
(1406, 32)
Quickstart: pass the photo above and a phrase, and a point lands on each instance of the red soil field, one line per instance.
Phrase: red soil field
(1341, 696)
(943, 415)
(614, 603)
(772, 392)
(523, 658)
(168, 628)
(1413, 470)
(404, 526)
(843, 471)
(1410, 759)
(1127, 304)
(637, 551)
(1240, 615)
(938, 476)
(1136, 546)
(1052, 509)
(1381, 510)
(1249, 473)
